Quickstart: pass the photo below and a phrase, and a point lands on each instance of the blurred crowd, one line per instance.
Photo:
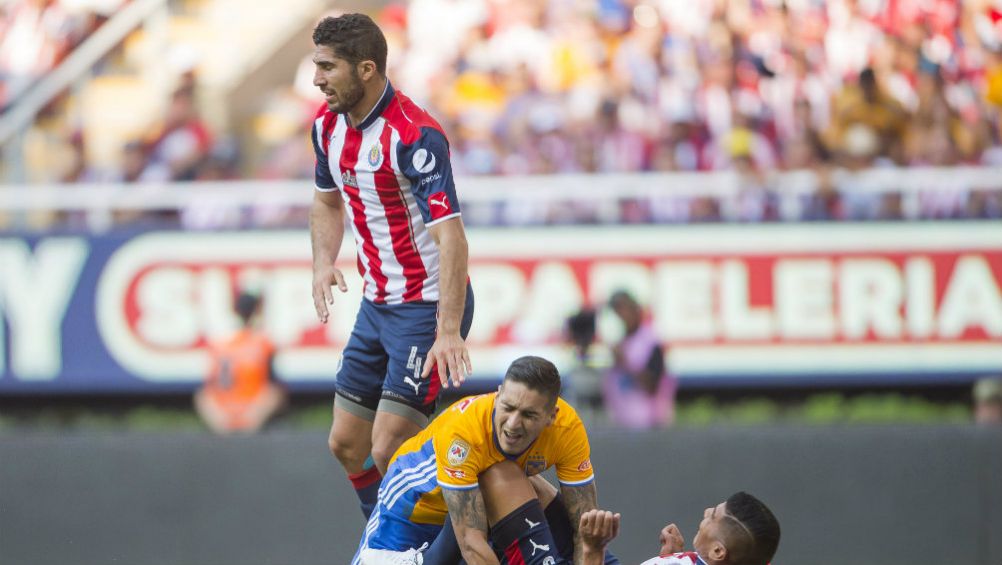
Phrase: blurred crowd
(36, 35)
(610, 86)
(625, 85)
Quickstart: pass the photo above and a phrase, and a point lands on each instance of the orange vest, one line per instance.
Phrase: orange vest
(241, 366)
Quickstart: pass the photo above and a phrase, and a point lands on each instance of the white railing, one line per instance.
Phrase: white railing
(600, 191)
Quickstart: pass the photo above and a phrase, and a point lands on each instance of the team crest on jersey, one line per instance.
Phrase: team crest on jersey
(376, 154)
(458, 452)
(535, 464)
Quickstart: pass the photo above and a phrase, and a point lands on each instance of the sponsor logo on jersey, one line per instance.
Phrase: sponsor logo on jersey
(455, 473)
(430, 179)
(439, 205)
(459, 450)
(463, 404)
(423, 161)
(585, 465)
(376, 154)
(348, 179)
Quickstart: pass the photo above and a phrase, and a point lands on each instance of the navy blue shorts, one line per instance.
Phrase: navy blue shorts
(384, 358)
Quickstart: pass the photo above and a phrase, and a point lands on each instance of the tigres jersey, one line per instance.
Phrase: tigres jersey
(460, 444)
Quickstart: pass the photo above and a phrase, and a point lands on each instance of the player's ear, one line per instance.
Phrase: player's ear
(366, 69)
(717, 551)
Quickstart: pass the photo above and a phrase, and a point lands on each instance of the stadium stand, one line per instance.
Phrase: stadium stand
(823, 89)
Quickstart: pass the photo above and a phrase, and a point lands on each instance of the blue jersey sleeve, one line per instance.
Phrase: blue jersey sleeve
(426, 165)
(322, 172)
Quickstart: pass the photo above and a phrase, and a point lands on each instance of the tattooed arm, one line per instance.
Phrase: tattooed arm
(469, 520)
(579, 499)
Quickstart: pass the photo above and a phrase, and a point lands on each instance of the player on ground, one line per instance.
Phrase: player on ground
(383, 165)
(436, 471)
(739, 531)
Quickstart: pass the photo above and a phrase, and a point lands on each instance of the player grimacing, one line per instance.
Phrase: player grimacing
(435, 474)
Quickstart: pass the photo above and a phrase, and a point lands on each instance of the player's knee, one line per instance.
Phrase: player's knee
(382, 452)
(346, 450)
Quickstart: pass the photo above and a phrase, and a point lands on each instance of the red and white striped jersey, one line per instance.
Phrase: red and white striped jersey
(394, 174)
(685, 558)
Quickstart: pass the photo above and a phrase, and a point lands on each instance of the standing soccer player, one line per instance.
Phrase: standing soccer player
(383, 165)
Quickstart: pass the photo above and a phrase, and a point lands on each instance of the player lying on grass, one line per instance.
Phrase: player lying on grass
(739, 531)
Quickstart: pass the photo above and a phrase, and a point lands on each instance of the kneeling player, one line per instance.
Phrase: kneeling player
(435, 473)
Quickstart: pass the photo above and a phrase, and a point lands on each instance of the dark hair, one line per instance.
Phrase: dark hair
(581, 327)
(622, 297)
(752, 532)
(246, 305)
(354, 38)
(536, 374)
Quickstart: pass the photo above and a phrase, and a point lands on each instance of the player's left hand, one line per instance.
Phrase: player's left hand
(671, 540)
(448, 356)
(598, 528)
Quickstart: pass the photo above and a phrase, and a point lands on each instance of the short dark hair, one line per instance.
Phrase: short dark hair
(624, 298)
(354, 38)
(752, 530)
(536, 374)
(246, 305)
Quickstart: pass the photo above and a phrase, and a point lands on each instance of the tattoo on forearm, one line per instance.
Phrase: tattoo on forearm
(579, 500)
(467, 507)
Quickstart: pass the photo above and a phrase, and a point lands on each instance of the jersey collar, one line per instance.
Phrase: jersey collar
(377, 110)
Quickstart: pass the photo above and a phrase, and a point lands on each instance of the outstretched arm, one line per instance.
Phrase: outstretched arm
(579, 499)
(469, 520)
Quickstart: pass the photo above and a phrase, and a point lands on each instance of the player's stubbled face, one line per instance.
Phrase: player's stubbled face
(337, 79)
(520, 415)
(708, 527)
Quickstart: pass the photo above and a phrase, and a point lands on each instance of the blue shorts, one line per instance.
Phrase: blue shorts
(383, 360)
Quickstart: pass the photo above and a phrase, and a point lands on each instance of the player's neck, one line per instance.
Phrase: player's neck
(364, 107)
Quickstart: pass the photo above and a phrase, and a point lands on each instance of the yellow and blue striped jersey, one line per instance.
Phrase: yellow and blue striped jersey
(460, 444)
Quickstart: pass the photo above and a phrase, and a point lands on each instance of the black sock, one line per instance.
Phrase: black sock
(523, 537)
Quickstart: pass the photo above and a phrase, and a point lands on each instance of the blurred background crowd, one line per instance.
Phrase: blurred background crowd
(526, 87)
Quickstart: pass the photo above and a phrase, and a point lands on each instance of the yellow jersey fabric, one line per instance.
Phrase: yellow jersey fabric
(462, 444)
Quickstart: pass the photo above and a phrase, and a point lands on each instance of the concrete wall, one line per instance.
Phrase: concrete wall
(882, 495)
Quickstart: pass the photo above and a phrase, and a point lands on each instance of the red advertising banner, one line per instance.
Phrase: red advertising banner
(764, 301)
